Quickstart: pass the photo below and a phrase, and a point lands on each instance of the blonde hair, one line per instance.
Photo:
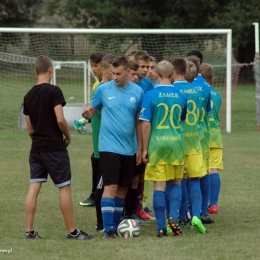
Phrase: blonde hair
(207, 72)
(195, 60)
(191, 71)
(164, 69)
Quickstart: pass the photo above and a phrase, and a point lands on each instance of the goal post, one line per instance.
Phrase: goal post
(78, 44)
(75, 64)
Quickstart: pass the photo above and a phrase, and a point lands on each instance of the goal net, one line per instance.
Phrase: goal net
(70, 48)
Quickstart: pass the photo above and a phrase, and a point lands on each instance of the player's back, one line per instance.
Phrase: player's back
(165, 108)
(191, 127)
(204, 90)
(39, 104)
(214, 122)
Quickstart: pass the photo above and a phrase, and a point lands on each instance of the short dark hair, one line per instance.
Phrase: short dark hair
(133, 65)
(130, 52)
(97, 57)
(153, 59)
(42, 64)
(120, 60)
(196, 53)
(107, 60)
(142, 55)
(179, 65)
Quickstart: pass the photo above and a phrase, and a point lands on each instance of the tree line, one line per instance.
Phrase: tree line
(237, 15)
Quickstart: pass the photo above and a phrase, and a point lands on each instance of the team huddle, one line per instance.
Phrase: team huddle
(151, 122)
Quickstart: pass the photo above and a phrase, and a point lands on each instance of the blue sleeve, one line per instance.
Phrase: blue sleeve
(140, 102)
(150, 84)
(146, 113)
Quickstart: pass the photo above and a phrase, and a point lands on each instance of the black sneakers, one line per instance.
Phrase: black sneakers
(161, 233)
(33, 235)
(174, 226)
(81, 235)
(207, 219)
(109, 234)
(89, 202)
(99, 228)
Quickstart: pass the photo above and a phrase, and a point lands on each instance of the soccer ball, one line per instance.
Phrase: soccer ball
(128, 228)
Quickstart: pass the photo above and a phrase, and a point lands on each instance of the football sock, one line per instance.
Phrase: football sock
(205, 189)
(184, 202)
(107, 208)
(174, 198)
(167, 202)
(95, 170)
(159, 208)
(130, 200)
(138, 196)
(98, 196)
(215, 184)
(119, 207)
(195, 196)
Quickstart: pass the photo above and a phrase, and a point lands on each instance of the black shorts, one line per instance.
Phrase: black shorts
(139, 169)
(117, 169)
(57, 164)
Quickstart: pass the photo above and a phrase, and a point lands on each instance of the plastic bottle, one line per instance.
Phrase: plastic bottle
(80, 125)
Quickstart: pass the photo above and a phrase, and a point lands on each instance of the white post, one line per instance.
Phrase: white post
(53, 81)
(256, 37)
(229, 81)
(89, 81)
(85, 82)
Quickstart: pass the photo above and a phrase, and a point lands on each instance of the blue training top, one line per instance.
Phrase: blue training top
(145, 84)
(119, 109)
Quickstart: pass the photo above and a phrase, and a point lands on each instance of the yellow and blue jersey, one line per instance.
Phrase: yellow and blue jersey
(215, 140)
(191, 126)
(165, 108)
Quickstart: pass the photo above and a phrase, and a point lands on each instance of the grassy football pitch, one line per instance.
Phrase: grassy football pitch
(234, 235)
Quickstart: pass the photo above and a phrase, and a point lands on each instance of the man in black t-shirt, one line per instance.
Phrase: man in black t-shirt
(46, 125)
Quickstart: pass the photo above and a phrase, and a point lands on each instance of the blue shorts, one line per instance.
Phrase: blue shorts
(56, 164)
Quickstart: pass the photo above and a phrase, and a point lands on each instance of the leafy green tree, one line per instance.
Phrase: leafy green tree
(19, 13)
(235, 14)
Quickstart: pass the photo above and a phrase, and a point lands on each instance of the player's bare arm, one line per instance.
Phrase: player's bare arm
(146, 130)
(89, 112)
(139, 140)
(62, 123)
(29, 125)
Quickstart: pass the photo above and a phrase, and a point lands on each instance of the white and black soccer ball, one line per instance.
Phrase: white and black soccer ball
(128, 228)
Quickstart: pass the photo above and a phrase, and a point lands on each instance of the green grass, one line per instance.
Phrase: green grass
(13, 90)
(233, 236)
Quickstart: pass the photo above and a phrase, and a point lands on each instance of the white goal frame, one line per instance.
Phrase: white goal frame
(227, 32)
(59, 64)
